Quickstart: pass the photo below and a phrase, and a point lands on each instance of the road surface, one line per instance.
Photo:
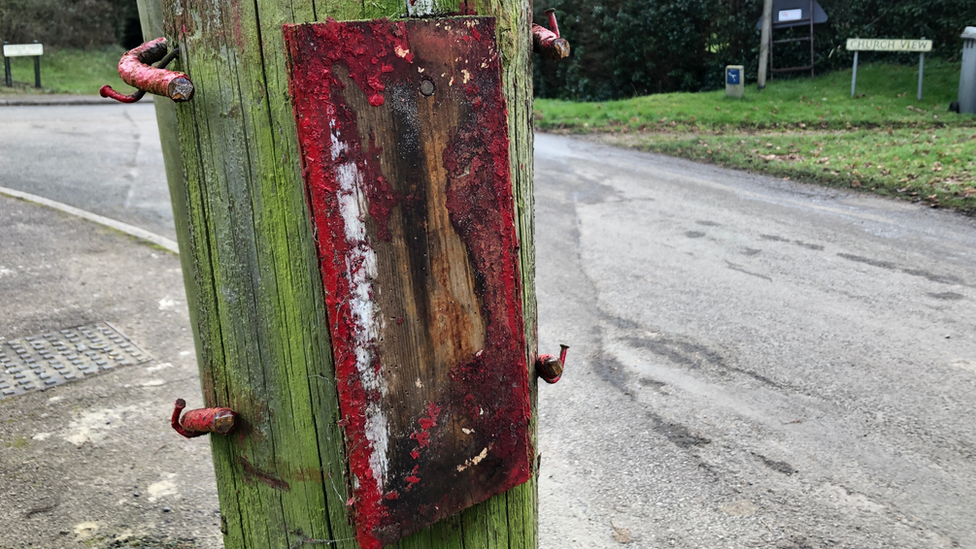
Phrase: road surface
(105, 159)
(754, 362)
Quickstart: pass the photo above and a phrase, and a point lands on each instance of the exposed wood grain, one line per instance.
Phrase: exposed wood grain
(404, 140)
(256, 296)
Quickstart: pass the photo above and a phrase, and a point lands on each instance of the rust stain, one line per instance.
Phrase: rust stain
(253, 473)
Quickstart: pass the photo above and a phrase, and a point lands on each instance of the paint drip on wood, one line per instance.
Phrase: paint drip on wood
(403, 131)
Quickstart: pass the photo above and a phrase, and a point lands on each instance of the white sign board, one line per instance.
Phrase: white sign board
(789, 15)
(23, 50)
(876, 44)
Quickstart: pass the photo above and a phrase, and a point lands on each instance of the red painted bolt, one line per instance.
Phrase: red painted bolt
(547, 43)
(205, 420)
(136, 70)
(550, 368)
(551, 14)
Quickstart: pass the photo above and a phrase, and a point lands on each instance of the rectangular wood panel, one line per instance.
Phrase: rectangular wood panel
(403, 131)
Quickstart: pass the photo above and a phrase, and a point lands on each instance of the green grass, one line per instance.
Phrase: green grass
(934, 165)
(882, 140)
(884, 95)
(69, 71)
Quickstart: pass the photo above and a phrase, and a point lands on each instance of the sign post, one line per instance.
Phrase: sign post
(34, 50)
(734, 86)
(874, 44)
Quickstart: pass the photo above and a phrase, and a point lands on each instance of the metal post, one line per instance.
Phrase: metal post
(854, 75)
(810, 14)
(921, 69)
(37, 70)
(6, 69)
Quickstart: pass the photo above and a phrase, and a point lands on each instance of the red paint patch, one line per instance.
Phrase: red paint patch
(422, 438)
(486, 395)
(136, 70)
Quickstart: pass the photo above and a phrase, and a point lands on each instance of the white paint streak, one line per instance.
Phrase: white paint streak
(338, 146)
(417, 8)
(360, 271)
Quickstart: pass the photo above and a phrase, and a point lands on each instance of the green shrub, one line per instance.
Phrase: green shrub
(70, 23)
(626, 48)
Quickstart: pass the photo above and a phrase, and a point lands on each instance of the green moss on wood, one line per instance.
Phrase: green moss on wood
(252, 276)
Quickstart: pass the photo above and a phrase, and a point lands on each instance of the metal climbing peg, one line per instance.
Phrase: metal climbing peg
(136, 70)
(202, 421)
(547, 43)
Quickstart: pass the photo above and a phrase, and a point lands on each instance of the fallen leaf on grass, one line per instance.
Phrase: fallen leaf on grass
(781, 157)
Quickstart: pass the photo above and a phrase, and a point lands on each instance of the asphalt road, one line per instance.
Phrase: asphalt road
(754, 362)
(105, 159)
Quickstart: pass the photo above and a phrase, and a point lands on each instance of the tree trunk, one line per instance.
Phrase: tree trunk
(252, 273)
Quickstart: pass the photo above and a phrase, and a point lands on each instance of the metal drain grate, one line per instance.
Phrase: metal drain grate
(39, 362)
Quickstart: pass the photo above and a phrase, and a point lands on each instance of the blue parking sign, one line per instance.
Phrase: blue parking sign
(732, 76)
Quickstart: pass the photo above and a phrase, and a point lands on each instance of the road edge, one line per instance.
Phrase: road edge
(131, 230)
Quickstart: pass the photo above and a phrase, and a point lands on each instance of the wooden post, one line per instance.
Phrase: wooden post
(251, 269)
(764, 39)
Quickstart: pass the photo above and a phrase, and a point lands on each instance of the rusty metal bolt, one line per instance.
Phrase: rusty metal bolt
(136, 69)
(202, 421)
(553, 26)
(550, 368)
(547, 43)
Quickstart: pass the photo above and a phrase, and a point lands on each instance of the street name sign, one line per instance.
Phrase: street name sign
(23, 50)
(858, 45)
(876, 44)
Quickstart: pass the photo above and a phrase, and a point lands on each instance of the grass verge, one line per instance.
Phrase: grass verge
(935, 165)
(883, 140)
(69, 71)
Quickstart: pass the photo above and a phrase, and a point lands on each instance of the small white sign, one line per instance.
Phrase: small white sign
(875, 44)
(790, 15)
(23, 50)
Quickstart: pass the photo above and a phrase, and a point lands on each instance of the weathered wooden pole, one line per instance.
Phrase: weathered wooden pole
(764, 39)
(252, 272)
